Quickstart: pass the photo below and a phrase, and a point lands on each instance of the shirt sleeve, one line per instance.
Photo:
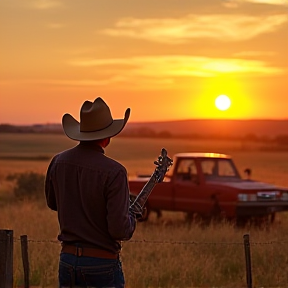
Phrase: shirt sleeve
(49, 189)
(121, 223)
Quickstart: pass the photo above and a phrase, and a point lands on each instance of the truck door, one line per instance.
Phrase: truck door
(189, 193)
(186, 185)
(209, 202)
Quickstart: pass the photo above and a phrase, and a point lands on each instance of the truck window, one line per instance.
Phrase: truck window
(217, 168)
(209, 167)
(225, 168)
(186, 170)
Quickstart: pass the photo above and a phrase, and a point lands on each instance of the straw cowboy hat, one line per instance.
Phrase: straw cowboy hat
(96, 122)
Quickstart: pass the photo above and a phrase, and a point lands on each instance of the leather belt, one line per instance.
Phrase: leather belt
(88, 252)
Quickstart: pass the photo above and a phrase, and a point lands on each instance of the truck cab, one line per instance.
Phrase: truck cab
(208, 186)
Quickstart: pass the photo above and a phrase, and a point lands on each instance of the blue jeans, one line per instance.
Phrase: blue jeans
(79, 271)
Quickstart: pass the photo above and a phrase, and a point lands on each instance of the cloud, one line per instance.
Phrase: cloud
(254, 53)
(156, 72)
(121, 81)
(271, 2)
(181, 30)
(55, 25)
(236, 3)
(45, 4)
(83, 82)
(230, 3)
(178, 66)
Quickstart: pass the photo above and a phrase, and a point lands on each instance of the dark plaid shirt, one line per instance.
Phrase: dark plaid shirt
(91, 195)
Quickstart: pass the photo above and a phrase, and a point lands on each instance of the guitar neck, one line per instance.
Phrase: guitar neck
(162, 164)
(142, 197)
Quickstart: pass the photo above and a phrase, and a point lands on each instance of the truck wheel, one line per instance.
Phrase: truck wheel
(272, 217)
(197, 219)
(189, 216)
(241, 222)
(266, 221)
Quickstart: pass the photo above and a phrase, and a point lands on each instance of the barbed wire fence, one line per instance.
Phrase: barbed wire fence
(7, 246)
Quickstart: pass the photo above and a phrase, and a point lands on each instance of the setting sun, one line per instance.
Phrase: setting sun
(222, 102)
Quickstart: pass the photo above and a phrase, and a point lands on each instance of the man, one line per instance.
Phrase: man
(90, 193)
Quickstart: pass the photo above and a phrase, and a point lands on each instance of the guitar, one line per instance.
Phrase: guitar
(162, 166)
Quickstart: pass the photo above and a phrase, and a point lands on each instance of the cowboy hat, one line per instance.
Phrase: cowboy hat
(96, 122)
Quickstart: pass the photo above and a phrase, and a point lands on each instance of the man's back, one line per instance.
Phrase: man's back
(89, 191)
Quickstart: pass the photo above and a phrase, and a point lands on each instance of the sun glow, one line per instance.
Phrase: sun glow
(223, 102)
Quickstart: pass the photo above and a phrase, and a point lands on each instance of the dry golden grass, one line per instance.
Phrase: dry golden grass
(162, 253)
(166, 252)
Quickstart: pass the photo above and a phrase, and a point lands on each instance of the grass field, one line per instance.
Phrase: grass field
(32, 152)
(162, 253)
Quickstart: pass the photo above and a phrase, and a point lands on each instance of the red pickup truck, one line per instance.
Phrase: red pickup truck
(208, 186)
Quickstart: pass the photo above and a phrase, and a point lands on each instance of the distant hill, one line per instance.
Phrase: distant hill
(206, 127)
(195, 127)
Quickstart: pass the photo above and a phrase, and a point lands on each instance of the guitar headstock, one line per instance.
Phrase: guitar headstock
(162, 165)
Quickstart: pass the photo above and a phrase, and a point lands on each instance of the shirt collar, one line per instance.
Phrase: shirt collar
(91, 145)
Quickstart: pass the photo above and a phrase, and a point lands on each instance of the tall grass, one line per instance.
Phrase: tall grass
(166, 252)
(162, 253)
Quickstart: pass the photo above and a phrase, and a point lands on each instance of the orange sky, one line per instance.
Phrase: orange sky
(164, 59)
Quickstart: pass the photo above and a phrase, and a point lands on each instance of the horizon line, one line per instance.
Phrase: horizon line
(159, 121)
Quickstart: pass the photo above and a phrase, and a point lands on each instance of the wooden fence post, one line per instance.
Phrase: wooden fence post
(248, 260)
(25, 260)
(6, 258)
